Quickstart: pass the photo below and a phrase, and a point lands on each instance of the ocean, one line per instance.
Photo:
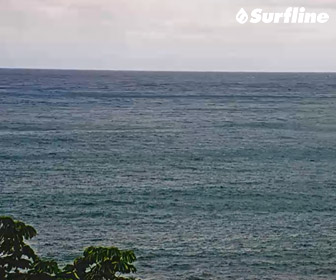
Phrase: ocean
(204, 175)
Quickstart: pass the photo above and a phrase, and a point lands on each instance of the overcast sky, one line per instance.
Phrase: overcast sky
(162, 35)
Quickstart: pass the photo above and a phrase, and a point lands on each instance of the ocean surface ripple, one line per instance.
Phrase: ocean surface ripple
(204, 175)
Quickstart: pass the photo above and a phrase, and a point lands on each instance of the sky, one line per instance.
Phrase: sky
(167, 35)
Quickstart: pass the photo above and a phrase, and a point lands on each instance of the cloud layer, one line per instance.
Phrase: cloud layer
(162, 35)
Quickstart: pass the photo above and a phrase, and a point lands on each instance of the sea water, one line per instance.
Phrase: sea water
(204, 175)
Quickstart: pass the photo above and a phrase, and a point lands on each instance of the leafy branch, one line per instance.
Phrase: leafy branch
(18, 260)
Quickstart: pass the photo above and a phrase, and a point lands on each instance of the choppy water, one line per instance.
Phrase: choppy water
(206, 176)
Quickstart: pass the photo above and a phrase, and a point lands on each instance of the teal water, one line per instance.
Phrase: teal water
(204, 175)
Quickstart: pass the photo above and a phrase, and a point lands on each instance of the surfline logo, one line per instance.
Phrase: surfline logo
(294, 15)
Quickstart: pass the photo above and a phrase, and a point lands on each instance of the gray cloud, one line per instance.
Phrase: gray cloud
(161, 35)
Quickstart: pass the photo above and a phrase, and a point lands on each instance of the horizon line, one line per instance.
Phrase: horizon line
(167, 71)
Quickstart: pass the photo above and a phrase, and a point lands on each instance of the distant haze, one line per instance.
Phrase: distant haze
(195, 35)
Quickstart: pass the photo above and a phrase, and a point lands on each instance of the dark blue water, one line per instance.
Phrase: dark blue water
(204, 175)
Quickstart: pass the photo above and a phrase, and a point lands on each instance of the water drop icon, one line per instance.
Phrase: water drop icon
(242, 16)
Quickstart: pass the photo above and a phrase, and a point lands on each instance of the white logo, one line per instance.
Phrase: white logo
(242, 16)
(291, 15)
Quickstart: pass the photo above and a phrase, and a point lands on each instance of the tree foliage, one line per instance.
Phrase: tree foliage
(18, 260)
(16, 256)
